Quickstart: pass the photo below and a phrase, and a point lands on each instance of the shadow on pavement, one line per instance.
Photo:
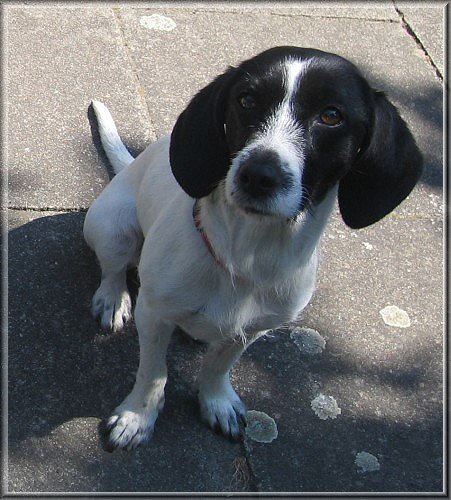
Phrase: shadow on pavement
(65, 375)
(63, 369)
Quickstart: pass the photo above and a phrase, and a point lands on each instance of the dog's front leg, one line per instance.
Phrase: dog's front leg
(133, 421)
(221, 407)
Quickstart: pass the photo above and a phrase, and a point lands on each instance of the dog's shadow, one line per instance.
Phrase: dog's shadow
(61, 364)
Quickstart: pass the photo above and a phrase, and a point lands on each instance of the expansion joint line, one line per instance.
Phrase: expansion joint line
(28, 208)
(418, 42)
(139, 86)
(251, 479)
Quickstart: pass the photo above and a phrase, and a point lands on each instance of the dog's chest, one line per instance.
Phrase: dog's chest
(238, 311)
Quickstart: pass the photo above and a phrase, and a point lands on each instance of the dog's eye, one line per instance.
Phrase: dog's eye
(331, 116)
(247, 101)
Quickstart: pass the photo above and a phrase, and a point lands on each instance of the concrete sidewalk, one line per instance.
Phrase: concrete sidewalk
(145, 62)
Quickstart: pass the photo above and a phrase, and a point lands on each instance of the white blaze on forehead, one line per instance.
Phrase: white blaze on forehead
(293, 70)
(282, 130)
(282, 133)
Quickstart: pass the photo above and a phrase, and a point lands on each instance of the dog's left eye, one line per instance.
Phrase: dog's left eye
(331, 116)
(247, 101)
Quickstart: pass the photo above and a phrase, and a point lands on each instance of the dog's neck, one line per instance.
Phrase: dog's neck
(263, 250)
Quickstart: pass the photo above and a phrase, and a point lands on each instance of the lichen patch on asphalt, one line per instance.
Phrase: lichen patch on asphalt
(366, 462)
(325, 407)
(394, 316)
(157, 22)
(260, 427)
(308, 341)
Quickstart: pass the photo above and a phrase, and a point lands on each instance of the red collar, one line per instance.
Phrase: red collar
(198, 224)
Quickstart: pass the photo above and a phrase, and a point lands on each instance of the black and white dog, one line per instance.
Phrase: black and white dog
(224, 216)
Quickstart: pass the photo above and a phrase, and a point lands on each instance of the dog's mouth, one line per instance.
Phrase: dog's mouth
(255, 208)
(271, 208)
(256, 211)
(284, 203)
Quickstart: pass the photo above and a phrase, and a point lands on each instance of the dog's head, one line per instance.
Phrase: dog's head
(284, 127)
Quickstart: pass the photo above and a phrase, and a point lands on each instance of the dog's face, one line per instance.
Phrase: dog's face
(284, 127)
(293, 127)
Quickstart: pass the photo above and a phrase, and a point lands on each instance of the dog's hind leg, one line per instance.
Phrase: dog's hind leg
(111, 229)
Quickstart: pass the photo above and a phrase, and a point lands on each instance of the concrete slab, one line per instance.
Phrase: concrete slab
(173, 65)
(204, 43)
(65, 375)
(58, 59)
(52, 162)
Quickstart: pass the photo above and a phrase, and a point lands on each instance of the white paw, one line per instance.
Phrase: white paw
(112, 306)
(127, 430)
(223, 411)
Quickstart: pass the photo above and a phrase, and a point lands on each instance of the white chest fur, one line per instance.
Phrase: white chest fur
(269, 273)
(233, 308)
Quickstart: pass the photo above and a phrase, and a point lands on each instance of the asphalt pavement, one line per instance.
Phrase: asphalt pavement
(354, 390)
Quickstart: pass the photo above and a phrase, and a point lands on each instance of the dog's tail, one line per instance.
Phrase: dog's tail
(116, 152)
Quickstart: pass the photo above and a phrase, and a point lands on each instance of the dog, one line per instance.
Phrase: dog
(223, 217)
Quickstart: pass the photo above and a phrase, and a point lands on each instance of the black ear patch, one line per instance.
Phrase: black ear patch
(384, 173)
(198, 152)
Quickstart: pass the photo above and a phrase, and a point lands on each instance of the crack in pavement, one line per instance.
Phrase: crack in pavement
(27, 208)
(150, 132)
(410, 31)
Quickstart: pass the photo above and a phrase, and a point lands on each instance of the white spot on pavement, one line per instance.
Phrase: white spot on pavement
(367, 245)
(157, 22)
(325, 407)
(260, 427)
(366, 462)
(308, 341)
(394, 316)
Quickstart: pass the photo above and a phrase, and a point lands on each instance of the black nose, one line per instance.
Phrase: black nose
(260, 175)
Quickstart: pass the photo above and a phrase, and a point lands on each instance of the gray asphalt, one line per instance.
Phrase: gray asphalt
(65, 374)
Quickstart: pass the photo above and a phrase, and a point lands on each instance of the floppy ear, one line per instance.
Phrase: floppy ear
(198, 151)
(384, 173)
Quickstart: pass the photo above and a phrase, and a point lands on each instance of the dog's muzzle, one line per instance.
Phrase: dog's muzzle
(262, 182)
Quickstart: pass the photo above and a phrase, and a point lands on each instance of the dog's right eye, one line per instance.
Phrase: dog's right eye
(247, 101)
(331, 117)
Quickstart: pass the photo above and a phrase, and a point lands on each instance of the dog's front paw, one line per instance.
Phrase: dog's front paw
(223, 411)
(112, 307)
(126, 430)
